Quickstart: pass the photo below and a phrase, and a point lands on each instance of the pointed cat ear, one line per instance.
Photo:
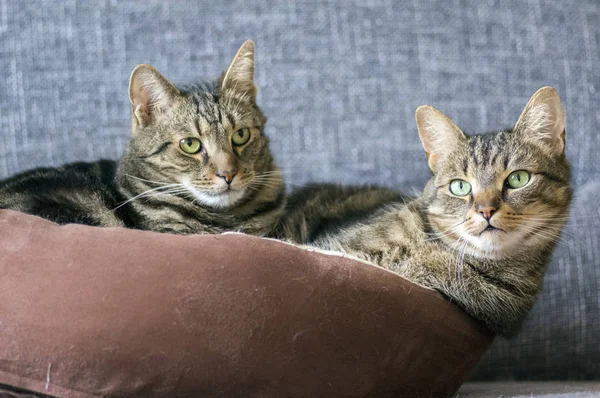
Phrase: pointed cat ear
(240, 74)
(543, 121)
(438, 134)
(150, 94)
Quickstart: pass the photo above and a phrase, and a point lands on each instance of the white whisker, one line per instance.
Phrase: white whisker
(144, 194)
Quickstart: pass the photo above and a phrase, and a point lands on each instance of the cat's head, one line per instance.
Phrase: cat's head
(499, 194)
(205, 142)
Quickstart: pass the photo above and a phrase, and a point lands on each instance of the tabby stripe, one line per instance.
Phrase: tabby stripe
(493, 280)
(207, 217)
(218, 106)
(275, 204)
(231, 119)
(156, 152)
(485, 146)
(552, 177)
(196, 102)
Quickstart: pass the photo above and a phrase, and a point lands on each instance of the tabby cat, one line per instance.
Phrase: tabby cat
(485, 226)
(197, 162)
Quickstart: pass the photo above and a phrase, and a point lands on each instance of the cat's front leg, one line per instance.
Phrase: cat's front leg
(184, 228)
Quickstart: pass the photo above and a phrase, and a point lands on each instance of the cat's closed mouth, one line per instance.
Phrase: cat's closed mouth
(491, 228)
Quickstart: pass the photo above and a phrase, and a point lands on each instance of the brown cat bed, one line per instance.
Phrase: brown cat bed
(112, 312)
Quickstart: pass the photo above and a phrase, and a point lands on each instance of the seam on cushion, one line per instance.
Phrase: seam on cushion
(38, 386)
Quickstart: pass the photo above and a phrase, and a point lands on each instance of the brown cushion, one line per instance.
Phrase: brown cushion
(113, 312)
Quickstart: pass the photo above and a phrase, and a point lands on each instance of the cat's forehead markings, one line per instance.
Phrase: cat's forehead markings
(465, 165)
(230, 119)
(203, 126)
(487, 178)
(207, 106)
(199, 128)
(219, 113)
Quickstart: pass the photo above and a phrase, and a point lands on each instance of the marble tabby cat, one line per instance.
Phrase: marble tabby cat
(198, 161)
(482, 231)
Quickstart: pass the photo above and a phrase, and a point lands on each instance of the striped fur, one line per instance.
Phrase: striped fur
(443, 241)
(158, 186)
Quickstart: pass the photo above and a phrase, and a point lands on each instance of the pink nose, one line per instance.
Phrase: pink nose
(227, 175)
(487, 212)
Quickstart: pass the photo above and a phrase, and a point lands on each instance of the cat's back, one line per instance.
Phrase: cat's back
(320, 209)
(82, 193)
(386, 235)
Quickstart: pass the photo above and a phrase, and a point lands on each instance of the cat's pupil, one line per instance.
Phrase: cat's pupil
(240, 133)
(461, 185)
(189, 142)
(519, 177)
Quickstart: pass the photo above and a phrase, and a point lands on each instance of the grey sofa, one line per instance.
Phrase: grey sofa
(340, 81)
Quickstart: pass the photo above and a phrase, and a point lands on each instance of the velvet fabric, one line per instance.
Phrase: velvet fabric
(88, 312)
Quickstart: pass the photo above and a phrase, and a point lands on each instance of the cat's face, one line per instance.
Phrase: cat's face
(499, 194)
(207, 141)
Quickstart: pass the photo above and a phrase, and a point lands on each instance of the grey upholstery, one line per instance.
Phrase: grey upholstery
(340, 81)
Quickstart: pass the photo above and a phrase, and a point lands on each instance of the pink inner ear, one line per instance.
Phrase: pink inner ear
(141, 97)
(139, 108)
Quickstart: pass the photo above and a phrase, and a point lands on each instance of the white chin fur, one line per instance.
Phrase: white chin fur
(481, 247)
(226, 199)
(493, 244)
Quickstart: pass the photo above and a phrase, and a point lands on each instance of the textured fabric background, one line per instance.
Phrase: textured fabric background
(340, 81)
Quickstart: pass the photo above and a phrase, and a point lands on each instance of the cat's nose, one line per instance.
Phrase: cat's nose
(487, 203)
(227, 175)
(486, 211)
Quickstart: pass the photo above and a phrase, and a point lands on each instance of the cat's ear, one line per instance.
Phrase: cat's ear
(543, 121)
(438, 134)
(150, 94)
(239, 76)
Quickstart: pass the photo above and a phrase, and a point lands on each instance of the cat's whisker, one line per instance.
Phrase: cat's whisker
(570, 216)
(173, 192)
(555, 230)
(552, 236)
(268, 182)
(557, 222)
(145, 180)
(448, 232)
(461, 259)
(269, 172)
(551, 222)
(257, 188)
(268, 178)
(548, 219)
(268, 185)
(145, 193)
(453, 249)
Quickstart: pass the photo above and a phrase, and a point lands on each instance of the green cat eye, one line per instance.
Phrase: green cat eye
(518, 179)
(241, 136)
(460, 187)
(190, 145)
